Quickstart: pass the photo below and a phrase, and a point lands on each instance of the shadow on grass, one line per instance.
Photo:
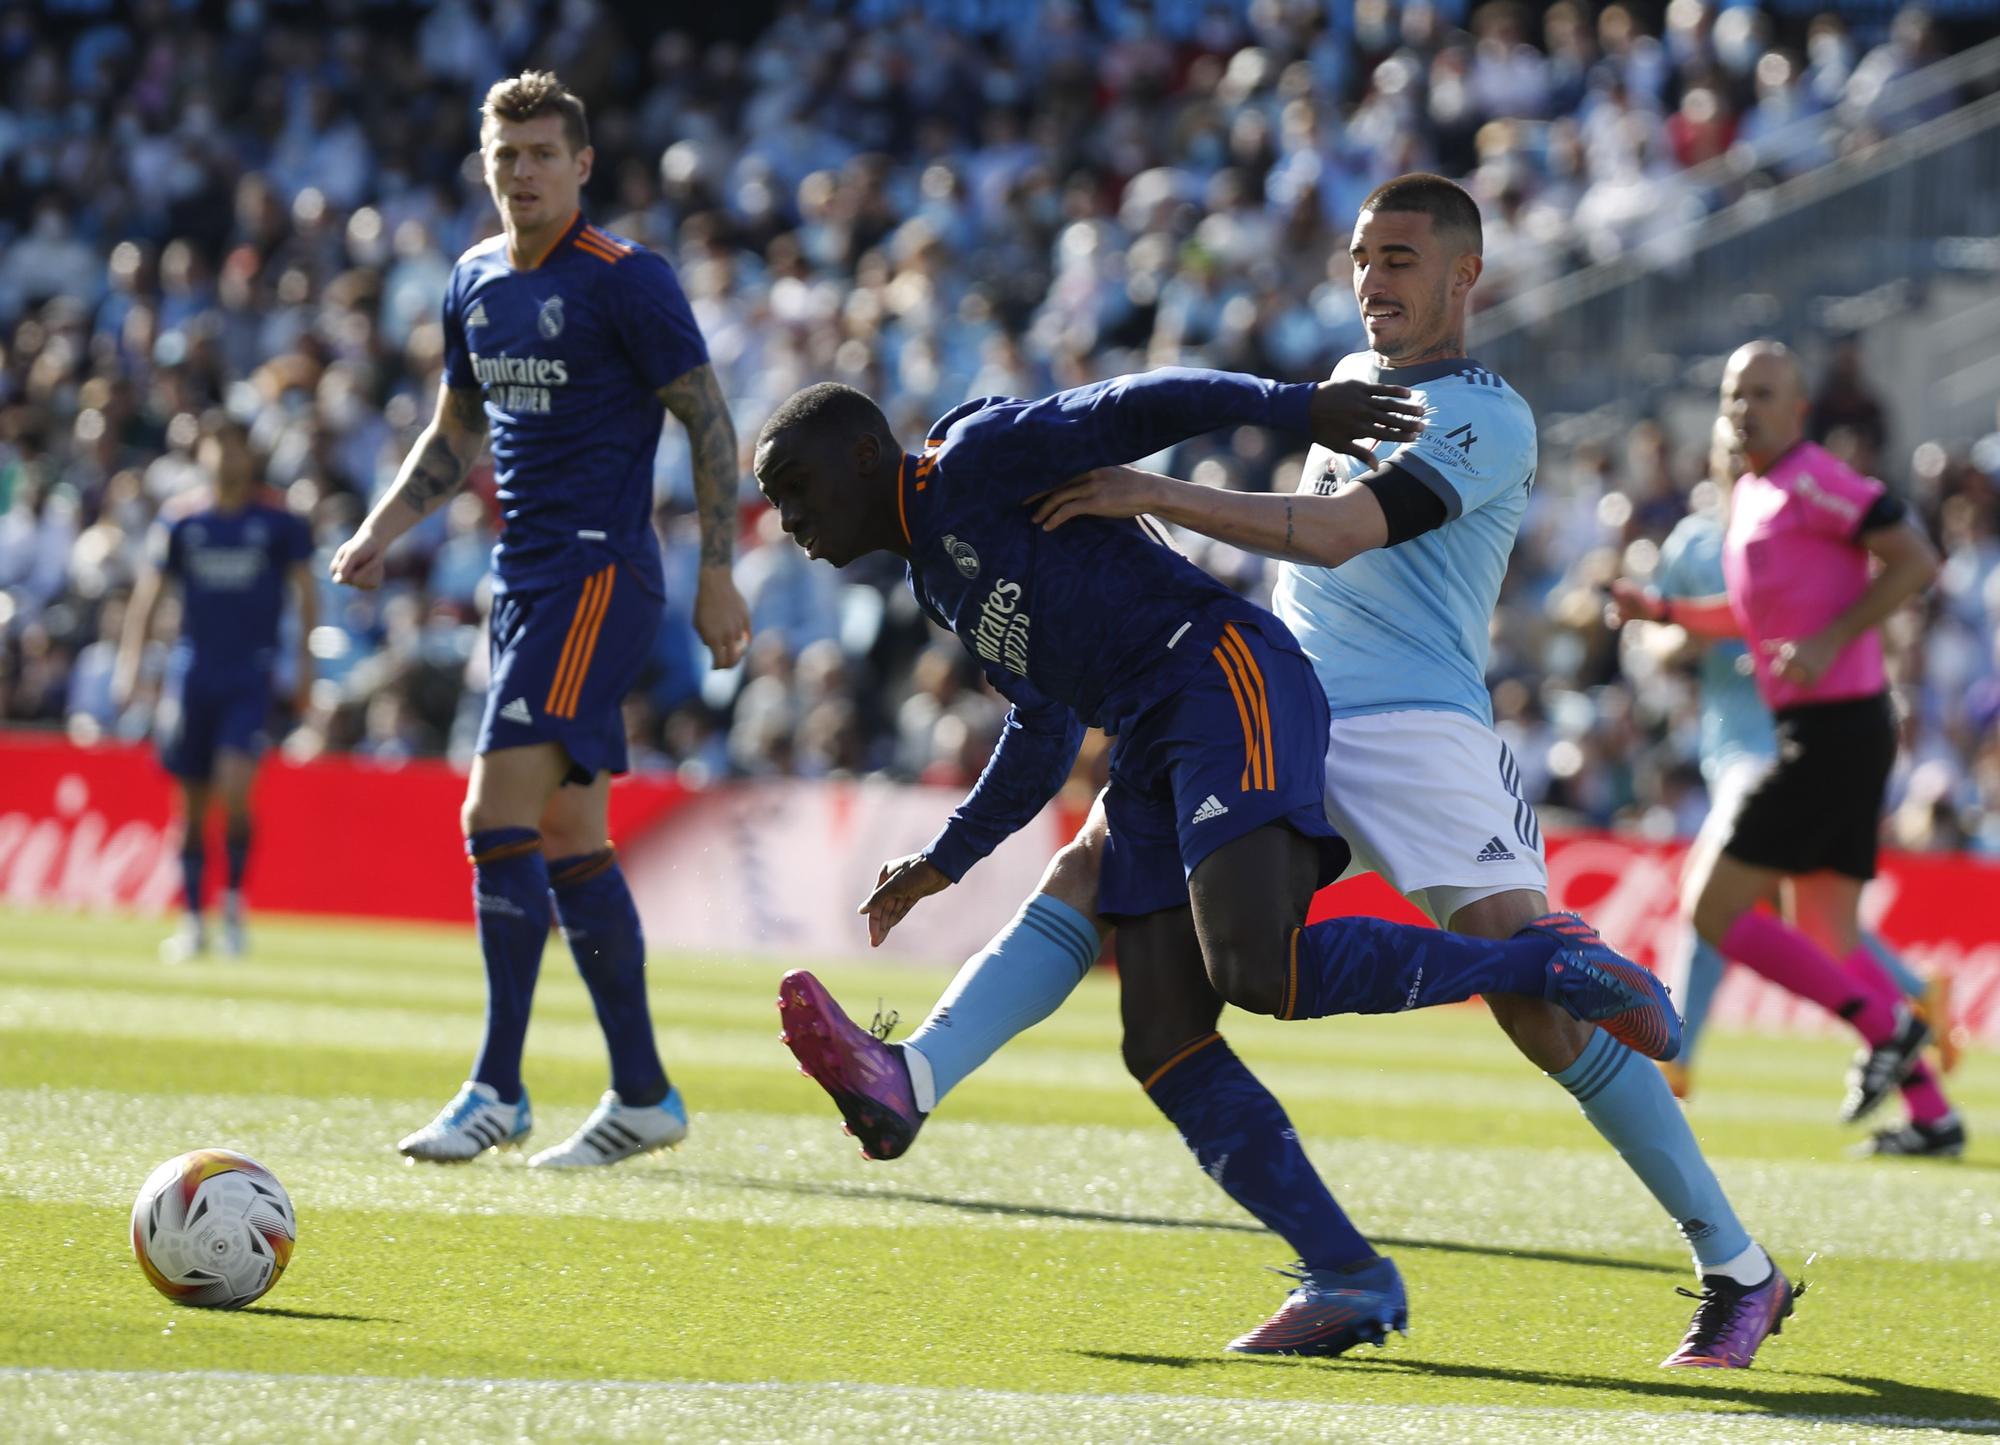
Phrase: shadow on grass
(1121, 1357)
(292, 1314)
(822, 1189)
(1887, 1404)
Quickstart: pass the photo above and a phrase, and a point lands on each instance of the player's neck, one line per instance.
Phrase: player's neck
(230, 497)
(527, 249)
(1450, 347)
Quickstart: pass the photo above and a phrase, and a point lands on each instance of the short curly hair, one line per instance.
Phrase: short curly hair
(531, 94)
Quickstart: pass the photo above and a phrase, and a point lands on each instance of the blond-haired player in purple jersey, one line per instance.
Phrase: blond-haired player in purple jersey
(1815, 559)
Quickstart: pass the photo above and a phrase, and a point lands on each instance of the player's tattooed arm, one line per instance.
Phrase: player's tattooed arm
(721, 617)
(438, 464)
(696, 399)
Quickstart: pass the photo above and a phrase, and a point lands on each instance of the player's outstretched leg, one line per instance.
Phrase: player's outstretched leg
(642, 1111)
(1346, 1294)
(1364, 965)
(510, 884)
(867, 1079)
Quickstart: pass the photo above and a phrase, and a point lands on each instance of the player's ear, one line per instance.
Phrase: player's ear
(867, 451)
(1465, 271)
(585, 159)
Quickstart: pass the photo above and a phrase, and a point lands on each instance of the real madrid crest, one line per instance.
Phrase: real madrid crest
(963, 555)
(550, 321)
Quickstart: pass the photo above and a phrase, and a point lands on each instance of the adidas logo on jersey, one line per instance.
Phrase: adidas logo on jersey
(476, 316)
(1494, 852)
(1211, 807)
(517, 712)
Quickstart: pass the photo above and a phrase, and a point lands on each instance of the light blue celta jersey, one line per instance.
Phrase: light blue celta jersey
(1407, 626)
(1735, 724)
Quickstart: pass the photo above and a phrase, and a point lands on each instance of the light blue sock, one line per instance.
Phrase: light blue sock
(1704, 973)
(1015, 982)
(1627, 1100)
(1906, 977)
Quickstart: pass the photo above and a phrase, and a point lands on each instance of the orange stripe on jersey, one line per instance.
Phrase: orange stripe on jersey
(903, 517)
(1252, 758)
(591, 249)
(609, 241)
(592, 630)
(1290, 1002)
(580, 624)
(546, 250)
(1259, 701)
(1186, 1051)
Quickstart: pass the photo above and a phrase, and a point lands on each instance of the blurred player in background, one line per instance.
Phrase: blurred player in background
(232, 559)
(569, 345)
(1215, 834)
(1738, 745)
(1396, 554)
(1815, 558)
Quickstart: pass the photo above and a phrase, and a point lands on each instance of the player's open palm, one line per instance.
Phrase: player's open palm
(721, 616)
(899, 887)
(1101, 492)
(359, 562)
(1352, 416)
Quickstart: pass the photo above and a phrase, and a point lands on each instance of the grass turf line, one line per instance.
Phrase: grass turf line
(1048, 1236)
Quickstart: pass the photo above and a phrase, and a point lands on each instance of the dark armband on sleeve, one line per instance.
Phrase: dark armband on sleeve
(1410, 506)
(1889, 509)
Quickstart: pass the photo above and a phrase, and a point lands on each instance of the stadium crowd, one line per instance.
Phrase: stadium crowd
(260, 217)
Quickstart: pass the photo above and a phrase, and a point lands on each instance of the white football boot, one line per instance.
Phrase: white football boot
(616, 1130)
(473, 1122)
(189, 941)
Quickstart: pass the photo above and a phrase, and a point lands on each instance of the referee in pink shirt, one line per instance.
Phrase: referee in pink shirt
(1816, 557)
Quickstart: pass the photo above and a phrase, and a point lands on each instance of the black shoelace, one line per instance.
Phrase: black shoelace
(885, 1023)
(1718, 1300)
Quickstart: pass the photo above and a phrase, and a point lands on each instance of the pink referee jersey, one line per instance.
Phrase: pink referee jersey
(1793, 561)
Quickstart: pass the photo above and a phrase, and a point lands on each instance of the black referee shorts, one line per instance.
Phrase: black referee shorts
(1821, 805)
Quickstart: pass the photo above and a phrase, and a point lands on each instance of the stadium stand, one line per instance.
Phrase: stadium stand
(261, 217)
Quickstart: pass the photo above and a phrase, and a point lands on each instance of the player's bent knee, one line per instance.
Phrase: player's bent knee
(1072, 876)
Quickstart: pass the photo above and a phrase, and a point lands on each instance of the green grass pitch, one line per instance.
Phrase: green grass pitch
(1047, 1264)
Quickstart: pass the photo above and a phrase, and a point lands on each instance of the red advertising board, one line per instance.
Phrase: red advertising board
(93, 828)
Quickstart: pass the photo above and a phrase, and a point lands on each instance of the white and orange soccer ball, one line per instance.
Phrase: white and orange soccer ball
(213, 1228)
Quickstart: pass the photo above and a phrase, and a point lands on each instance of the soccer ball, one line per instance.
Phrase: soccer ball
(213, 1228)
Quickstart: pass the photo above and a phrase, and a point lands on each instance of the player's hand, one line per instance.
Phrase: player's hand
(359, 562)
(1350, 416)
(1631, 602)
(721, 616)
(1103, 492)
(1803, 663)
(899, 887)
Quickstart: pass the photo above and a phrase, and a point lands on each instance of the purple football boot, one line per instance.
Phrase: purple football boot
(1732, 1320)
(867, 1078)
(1332, 1310)
(1596, 983)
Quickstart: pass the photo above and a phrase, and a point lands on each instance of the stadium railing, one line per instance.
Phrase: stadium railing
(1905, 209)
